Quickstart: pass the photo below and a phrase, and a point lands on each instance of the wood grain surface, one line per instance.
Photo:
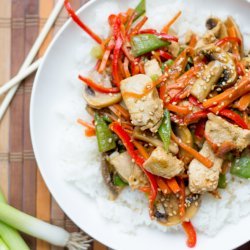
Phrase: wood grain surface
(20, 23)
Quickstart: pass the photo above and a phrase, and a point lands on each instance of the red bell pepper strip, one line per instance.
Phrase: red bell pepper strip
(228, 39)
(148, 31)
(116, 54)
(191, 233)
(80, 23)
(194, 101)
(165, 55)
(195, 117)
(98, 87)
(234, 117)
(127, 142)
(199, 131)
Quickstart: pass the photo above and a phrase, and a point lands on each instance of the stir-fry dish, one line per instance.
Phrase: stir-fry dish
(171, 118)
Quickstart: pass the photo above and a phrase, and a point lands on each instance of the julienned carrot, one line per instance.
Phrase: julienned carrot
(193, 41)
(126, 67)
(137, 28)
(85, 124)
(90, 132)
(173, 185)
(244, 102)
(182, 209)
(98, 87)
(202, 159)
(177, 109)
(236, 91)
(162, 184)
(130, 21)
(141, 149)
(171, 22)
(246, 119)
(122, 111)
(106, 55)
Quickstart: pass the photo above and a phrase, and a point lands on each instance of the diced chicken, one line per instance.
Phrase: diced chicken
(201, 178)
(152, 68)
(146, 111)
(224, 136)
(163, 164)
(128, 170)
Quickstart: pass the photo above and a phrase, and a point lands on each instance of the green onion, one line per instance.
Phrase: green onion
(3, 246)
(11, 237)
(39, 229)
(119, 182)
(222, 181)
(97, 52)
(105, 138)
(144, 43)
(140, 9)
(165, 130)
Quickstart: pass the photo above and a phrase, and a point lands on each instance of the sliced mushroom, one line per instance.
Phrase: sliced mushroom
(108, 174)
(207, 81)
(230, 22)
(229, 68)
(185, 135)
(100, 100)
(147, 137)
(166, 209)
(217, 27)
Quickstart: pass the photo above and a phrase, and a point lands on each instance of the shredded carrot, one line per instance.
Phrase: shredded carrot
(90, 132)
(139, 25)
(202, 159)
(126, 67)
(85, 124)
(193, 41)
(146, 190)
(163, 185)
(106, 55)
(141, 67)
(141, 149)
(171, 22)
(244, 102)
(177, 109)
(232, 33)
(122, 111)
(182, 198)
(130, 21)
(173, 185)
(230, 94)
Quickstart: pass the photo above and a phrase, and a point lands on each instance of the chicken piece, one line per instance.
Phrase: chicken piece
(128, 170)
(224, 136)
(152, 68)
(201, 178)
(146, 111)
(163, 164)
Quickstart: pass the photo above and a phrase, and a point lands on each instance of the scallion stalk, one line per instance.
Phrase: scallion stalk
(10, 236)
(39, 229)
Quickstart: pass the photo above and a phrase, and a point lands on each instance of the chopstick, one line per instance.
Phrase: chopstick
(32, 54)
(20, 76)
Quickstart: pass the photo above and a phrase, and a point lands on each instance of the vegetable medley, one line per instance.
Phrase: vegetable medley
(171, 118)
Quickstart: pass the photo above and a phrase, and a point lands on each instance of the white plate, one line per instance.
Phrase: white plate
(51, 89)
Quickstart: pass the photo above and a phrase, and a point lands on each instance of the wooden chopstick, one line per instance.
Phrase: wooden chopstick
(20, 76)
(32, 54)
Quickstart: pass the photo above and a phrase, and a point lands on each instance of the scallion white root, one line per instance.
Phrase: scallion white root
(3, 246)
(39, 229)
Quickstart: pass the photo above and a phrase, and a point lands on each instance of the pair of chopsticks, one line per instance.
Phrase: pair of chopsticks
(27, 68)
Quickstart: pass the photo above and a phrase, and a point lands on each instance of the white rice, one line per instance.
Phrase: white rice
(79, 157)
